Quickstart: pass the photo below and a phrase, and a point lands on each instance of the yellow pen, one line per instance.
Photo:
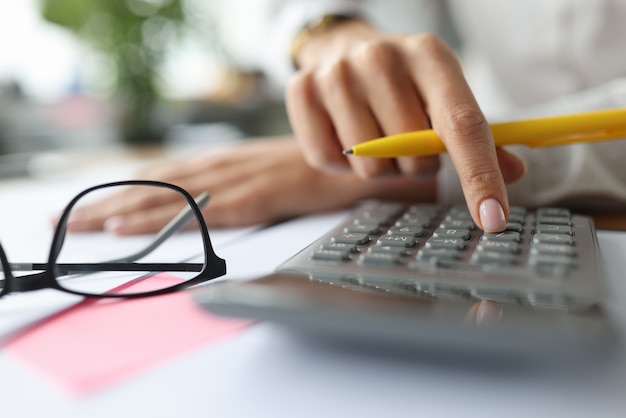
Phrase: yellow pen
(541, 132)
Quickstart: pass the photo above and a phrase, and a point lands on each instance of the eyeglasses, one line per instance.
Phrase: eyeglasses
(107, 266)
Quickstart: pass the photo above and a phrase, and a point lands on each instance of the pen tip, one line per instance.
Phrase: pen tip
(348, 152)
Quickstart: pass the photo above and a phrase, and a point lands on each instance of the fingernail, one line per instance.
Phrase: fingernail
(114, 224)
(492, 216)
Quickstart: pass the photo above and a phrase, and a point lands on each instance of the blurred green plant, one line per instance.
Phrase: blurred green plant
(134, 34)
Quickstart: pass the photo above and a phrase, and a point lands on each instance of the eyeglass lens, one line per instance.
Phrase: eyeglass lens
(155, 255)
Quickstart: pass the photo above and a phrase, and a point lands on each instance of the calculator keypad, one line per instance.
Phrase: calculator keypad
(426, 248)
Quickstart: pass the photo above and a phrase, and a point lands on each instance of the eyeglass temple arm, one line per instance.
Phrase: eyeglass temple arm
(175, 225)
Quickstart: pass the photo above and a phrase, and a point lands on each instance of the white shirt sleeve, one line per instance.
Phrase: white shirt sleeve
(552, 58)
(285, 18)
(581, 176)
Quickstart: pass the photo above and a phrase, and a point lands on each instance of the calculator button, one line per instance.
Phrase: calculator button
(410, 231)
(379, 259)
(518, 210)
(458, 224)
(514, 226)
(391, 209)
(499, 246)
(553, 239)
(554, 229)
(389, 249)
(464, 216)
(460, 211)
(412, 223)
(510, 236)
(378, 222)
(357, 239)
(554, 220)
(380, 217)
(362, 229)
(432, 210)
(374, 223)
(328, 255)
(396, 241)
(337, 246)
(450, 243)
(416, 220)
(463, 234)
(552, 249)
(559, 212)
(516, 218)
(439, 253)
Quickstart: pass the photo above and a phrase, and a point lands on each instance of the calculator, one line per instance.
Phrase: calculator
(424, 277)
(546, 257)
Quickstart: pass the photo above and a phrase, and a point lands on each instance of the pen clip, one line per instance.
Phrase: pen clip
(596, 136)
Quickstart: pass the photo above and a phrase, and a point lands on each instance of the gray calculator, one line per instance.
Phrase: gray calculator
(416, 275)
(548, 257)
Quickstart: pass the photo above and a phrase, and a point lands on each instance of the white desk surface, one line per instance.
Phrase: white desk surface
(268, 372)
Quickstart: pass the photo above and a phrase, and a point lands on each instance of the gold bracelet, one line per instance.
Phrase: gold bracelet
(315, 27)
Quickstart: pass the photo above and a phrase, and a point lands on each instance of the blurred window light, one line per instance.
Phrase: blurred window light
(38, 56)
(49, 62)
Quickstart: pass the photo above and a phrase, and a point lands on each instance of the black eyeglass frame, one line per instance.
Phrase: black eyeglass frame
(213, 266)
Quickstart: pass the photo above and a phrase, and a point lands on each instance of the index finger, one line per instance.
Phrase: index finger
(459, 122)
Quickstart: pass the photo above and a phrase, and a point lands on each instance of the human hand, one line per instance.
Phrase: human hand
(261, 181)
(356, 83)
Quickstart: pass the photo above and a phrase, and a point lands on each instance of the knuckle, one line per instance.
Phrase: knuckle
(297, 82)
(481, 178)
(375, 55)
(380, 61)
(335, 75)
(465, 121)
(425, 43)
(300, 87)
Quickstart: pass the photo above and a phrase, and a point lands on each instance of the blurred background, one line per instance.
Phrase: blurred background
(87, 74)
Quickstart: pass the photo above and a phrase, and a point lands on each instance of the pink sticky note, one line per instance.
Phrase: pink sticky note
(97, 343)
